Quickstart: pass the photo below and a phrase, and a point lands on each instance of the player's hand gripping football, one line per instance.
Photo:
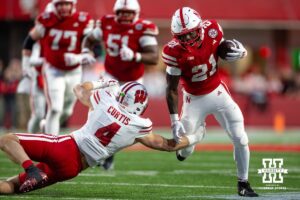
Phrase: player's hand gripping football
(237, 52)
(126, 53)
(178, 130)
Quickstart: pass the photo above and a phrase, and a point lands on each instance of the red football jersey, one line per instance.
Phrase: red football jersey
(116, 34)
(63, 35)
(197, 68)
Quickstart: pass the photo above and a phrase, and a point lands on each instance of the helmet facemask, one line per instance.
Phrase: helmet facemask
(125, 16)
(190, 38)
(64, 8)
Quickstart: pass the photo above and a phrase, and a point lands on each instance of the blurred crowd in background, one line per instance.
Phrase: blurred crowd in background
(259, 77)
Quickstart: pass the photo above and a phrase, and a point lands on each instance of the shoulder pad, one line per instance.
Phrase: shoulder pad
(146, 27)
(171, 51)
(47, 19)
(213, 29)
(107, 19)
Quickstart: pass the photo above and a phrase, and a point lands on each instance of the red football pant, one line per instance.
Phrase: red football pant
(58, 156)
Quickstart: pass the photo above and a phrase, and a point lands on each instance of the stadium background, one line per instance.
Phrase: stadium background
(266, 85)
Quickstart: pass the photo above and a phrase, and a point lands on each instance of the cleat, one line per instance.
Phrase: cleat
(179, 157)
(245, 190)
(35, 179)
(108, 163)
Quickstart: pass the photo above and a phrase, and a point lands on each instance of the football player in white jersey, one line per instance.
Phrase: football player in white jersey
(112, 124)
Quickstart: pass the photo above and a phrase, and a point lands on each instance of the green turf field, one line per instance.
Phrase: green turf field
(158, 175)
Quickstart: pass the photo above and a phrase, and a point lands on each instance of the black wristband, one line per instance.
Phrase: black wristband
(28, 43)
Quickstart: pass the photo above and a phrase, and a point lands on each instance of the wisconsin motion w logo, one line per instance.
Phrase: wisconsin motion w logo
(273, 170)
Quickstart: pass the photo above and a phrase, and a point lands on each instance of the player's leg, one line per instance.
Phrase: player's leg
(230, 117)
(55, 86)
(192, 118)
(10, 144)
(72, 78)
(9, 186)
(38, 108)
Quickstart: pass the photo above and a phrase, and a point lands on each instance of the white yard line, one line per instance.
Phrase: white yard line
(146, 184)
(162, 185)
(268, 196)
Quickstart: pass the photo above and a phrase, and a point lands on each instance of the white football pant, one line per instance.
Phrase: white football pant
(37, 105)
(59, 86)
(228, 114)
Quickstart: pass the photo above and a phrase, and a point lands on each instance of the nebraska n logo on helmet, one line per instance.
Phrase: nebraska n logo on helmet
(133, 97)
(186, 27)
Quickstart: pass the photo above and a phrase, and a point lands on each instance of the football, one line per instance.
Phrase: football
(225, 47)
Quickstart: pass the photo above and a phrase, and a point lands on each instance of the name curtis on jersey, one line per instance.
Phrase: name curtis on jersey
(118, 115)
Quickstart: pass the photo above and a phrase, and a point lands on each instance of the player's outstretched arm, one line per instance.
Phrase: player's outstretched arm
(160, 143)
(83, 92)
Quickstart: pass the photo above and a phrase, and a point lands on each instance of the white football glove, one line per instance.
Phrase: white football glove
(72, 59)
(36, 62)
(126, 53)
(237, 53)
(101, 83)
(178, 130)
(111, 85)
(97, 33)
(87, 59)
(26, 67)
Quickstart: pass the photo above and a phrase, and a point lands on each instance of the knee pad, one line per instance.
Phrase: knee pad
(238, 134)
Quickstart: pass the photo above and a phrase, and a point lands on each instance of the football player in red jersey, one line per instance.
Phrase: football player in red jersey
(191, 58)
(62, 32)
(130, 43)
(64, 157)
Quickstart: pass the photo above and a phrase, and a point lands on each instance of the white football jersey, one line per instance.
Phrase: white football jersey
(109, 128)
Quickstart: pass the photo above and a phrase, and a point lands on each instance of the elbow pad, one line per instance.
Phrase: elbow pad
(28, 43)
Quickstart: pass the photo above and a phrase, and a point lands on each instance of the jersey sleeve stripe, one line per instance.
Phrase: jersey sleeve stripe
(173, 71)
(147, 127)
(146, 131)
(169, 57)
(97, 97)
(169, 62)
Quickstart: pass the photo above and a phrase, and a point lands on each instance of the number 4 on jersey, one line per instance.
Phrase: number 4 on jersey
(105, 134)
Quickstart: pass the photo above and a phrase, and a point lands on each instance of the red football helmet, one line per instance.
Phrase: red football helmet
(133, 97)
(127, 11)
(187, 28)
(63, 10)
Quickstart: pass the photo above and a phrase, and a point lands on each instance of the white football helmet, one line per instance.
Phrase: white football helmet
(127, 5)
(74, 2)
(186, 27)
(133, 97)
(49, 7)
